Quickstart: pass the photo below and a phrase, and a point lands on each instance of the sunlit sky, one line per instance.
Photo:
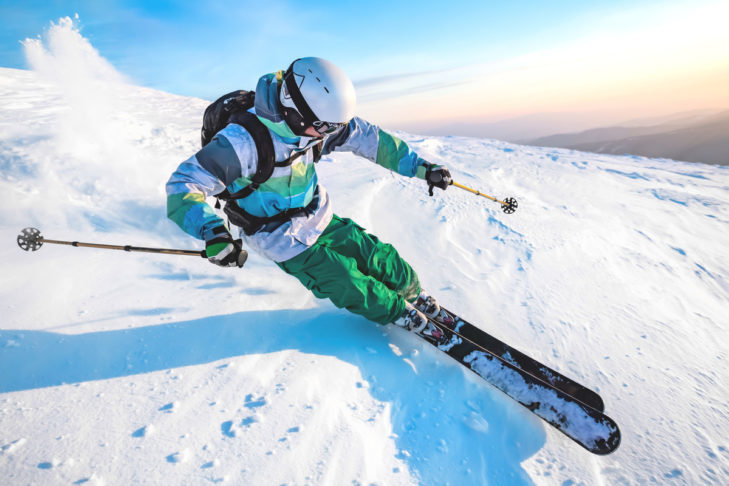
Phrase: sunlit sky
(418, 65)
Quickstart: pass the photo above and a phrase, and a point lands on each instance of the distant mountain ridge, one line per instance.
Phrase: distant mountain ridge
(691, 138)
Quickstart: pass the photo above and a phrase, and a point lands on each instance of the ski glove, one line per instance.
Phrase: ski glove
(222, 250)
(437, 176)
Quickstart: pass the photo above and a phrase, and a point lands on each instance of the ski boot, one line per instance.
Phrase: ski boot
(414, 320)
(429, 306)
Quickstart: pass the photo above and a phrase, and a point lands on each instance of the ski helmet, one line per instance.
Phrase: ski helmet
(316, 92)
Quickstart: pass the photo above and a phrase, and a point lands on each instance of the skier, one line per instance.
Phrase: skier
(308, 111)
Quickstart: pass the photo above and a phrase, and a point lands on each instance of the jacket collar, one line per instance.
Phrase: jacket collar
(267, 110)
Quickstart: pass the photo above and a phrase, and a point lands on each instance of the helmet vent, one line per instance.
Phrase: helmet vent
(320, 91)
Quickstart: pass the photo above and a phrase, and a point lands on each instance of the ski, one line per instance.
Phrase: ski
(523, 361)
(589, 427)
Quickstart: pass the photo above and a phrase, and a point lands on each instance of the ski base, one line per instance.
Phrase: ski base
(524, 362)
(587, 426)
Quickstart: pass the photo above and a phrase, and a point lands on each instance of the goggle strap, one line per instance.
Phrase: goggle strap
(301, 105)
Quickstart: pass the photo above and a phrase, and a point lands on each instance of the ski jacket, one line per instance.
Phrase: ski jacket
(230, 160)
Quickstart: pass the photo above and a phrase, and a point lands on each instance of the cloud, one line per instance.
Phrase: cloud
(388, 78)
(674, 61)
(410, 90)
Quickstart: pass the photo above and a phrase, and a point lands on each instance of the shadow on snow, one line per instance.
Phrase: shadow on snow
(456, 428)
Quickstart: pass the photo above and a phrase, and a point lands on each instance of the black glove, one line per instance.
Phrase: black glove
(222, 250)
(437, 176)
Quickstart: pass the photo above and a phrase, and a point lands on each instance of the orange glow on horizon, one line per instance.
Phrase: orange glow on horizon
(676, 66)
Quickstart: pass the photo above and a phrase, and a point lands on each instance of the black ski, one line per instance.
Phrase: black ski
(585, 425)
(524, 362)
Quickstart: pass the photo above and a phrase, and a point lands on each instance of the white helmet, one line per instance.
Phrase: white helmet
(316, 92)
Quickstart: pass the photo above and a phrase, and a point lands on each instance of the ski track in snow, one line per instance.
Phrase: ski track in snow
(139, 369)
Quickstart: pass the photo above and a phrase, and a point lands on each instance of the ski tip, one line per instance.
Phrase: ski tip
(603, 447)
(592, 399)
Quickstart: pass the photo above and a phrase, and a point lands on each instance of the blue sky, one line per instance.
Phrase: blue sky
(200, 48)
(390, 49)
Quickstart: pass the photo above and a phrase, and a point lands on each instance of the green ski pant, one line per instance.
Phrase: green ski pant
(356, 271)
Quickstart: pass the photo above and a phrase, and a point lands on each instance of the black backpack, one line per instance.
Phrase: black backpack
(217, 114)
(233, 108)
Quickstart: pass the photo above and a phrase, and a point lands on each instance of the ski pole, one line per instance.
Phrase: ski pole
(508, 205)
(30, 239)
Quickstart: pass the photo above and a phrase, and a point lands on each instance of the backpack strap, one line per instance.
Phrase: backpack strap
(264, 147)
(316, 150)
(266, 155)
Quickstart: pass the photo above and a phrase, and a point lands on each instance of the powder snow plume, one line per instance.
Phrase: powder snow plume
(88, 83)
(95, 147)
(68, 57)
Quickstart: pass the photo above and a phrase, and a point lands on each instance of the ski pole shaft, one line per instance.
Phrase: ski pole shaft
(168, 251)
(478, 193)
(509, 204)
(31, 239)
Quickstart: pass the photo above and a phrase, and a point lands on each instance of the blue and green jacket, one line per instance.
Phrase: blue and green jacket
(230, 160)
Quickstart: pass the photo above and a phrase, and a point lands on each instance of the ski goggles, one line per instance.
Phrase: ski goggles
(325, 128)
(298, 125)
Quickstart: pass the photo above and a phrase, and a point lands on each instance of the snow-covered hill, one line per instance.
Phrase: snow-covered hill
(122, 368)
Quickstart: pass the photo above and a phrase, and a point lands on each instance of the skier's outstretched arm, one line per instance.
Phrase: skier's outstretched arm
(204, 174)
(369, 141)
(187, 189)
(208, 173)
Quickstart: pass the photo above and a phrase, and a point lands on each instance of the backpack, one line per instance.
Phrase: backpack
(217, 114)
(233, 108)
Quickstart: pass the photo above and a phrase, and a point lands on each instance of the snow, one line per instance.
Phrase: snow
(573, 420)
(123, 368)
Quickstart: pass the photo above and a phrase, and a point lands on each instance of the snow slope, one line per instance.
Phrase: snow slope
(125, 368)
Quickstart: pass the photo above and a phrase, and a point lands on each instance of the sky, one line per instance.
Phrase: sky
(426, 67)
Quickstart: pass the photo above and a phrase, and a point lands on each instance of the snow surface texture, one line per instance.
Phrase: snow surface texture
(123, 368)
(572, 418)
